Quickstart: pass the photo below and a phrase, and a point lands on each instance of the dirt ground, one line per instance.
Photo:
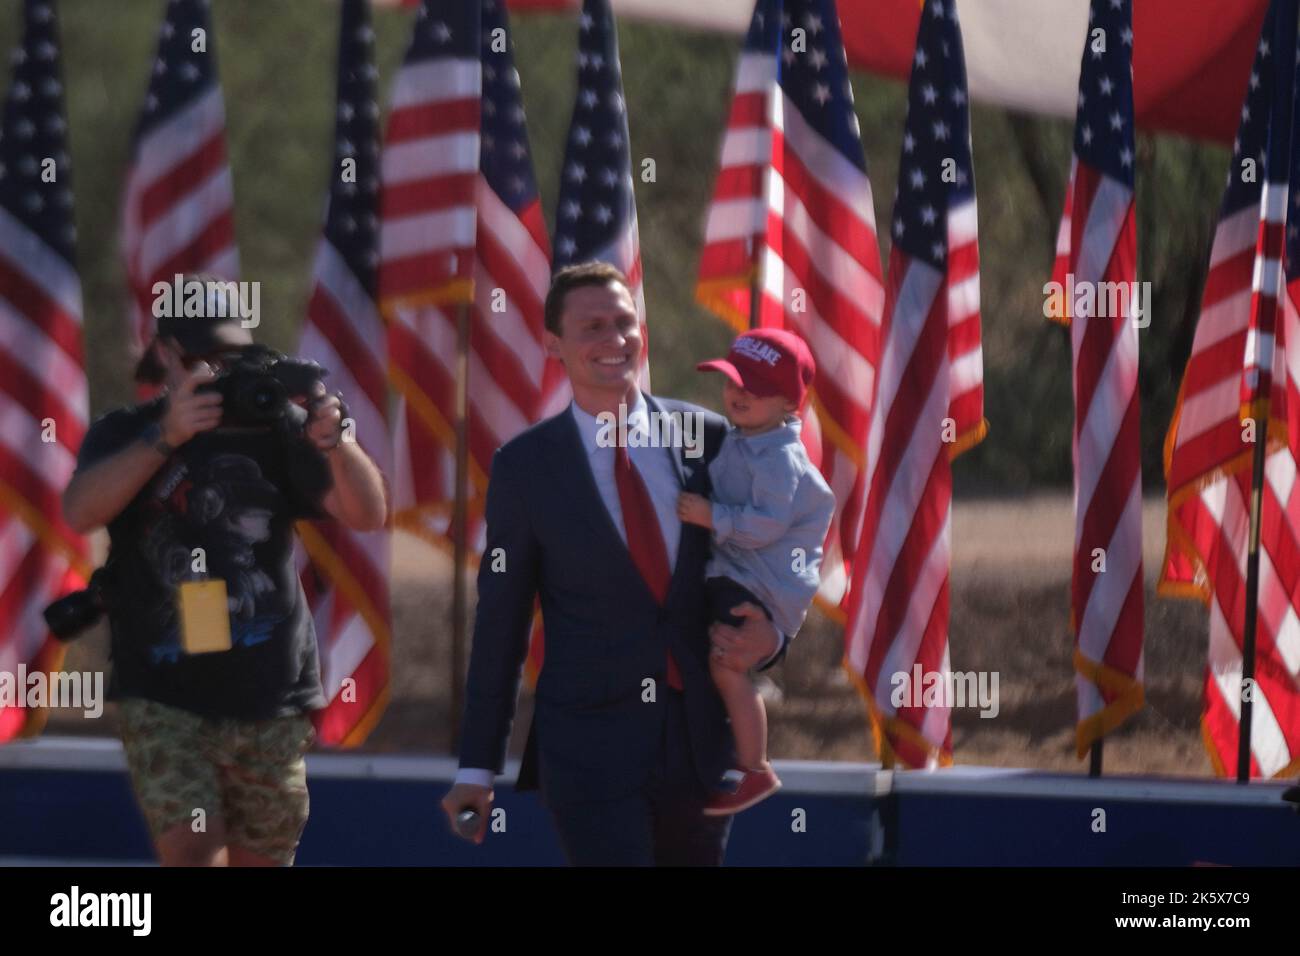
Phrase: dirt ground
(1010, 614)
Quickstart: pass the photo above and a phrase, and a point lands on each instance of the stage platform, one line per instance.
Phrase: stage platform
(66, 800)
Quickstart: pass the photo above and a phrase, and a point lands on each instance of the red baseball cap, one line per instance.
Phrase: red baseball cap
(768, 362)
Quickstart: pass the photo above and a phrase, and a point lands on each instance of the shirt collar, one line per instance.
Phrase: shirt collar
(592, 429)
(781, 435)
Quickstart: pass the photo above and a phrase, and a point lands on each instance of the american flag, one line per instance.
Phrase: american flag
(178, 211)
(43, 404)
(346, 581)
(427, 228)
(595, 217)
(1097, 249)
(792, 214)
(929, 407)
(1209, 447)
(512, 381)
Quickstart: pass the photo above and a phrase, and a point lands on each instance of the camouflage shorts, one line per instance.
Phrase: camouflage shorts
(248, 775)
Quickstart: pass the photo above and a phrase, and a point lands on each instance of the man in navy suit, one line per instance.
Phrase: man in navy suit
(629, 735)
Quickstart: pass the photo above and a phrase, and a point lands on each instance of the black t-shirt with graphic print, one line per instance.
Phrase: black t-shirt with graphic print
(234, 493)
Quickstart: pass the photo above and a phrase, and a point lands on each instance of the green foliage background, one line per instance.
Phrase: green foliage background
(276, 61)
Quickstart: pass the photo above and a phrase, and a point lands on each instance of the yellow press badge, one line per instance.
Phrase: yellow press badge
(205, 617)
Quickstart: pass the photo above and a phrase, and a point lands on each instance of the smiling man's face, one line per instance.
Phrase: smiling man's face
(599, 343)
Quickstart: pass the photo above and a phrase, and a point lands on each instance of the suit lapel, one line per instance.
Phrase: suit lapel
(571, 466)
(691, 536)
(674, 454)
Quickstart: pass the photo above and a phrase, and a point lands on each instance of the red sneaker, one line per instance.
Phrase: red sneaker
(747, 787)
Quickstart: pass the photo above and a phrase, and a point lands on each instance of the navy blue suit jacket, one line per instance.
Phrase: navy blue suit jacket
(593, 736)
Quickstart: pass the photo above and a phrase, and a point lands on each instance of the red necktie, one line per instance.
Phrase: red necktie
(645, 539)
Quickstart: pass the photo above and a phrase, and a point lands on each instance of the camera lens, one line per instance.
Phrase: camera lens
(265, 397)
(260, 400)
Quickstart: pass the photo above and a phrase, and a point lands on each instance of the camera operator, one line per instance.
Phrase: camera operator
(195, 505)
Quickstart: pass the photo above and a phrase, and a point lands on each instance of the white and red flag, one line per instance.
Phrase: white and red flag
(346, 576)
(595, 217)
(512, 381)
(1237, 371)
(43, 403)
(792, 216)
(178, 211)
(426, 248)
(462, 226)
(1095, 285)
(929, 407)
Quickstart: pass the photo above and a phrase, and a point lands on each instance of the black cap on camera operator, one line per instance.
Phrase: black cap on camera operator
(200, 507)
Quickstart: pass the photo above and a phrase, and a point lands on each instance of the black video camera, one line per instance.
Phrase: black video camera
(73, 614)
(257, 384)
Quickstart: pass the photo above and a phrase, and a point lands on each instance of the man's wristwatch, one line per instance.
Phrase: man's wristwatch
(153, 437)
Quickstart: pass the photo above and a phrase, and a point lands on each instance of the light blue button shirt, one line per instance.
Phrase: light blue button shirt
(771, 509)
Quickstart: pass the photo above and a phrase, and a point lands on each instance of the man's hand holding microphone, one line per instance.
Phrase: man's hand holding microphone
(467, 806)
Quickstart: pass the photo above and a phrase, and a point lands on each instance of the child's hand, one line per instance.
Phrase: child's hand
(695, 509)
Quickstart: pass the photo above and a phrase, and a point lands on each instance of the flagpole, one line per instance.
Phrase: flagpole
(1252, 597)
(459, 526)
